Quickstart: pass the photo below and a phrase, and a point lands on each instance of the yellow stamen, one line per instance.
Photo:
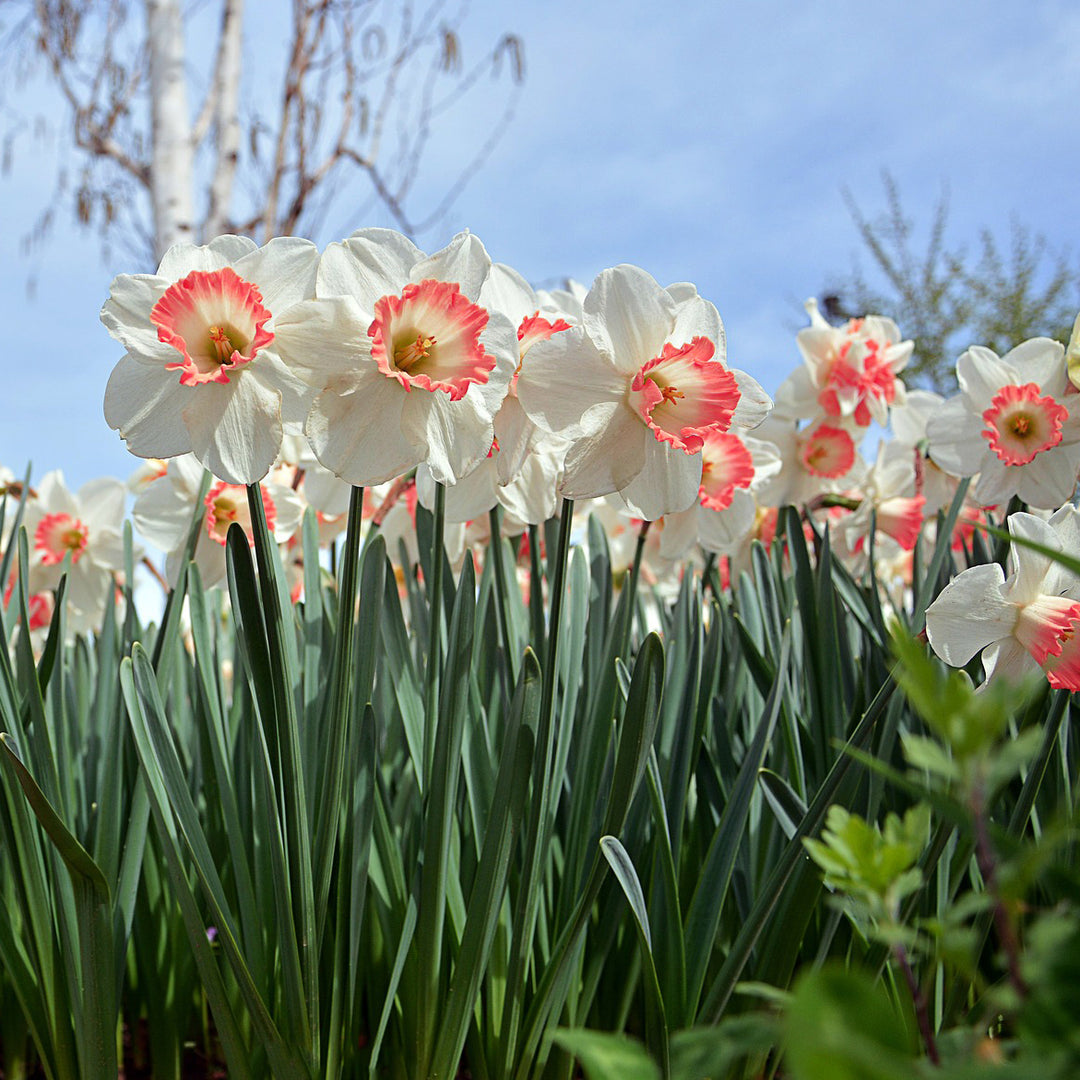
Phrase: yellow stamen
(72, 539)
(221, 343)
(407, 355)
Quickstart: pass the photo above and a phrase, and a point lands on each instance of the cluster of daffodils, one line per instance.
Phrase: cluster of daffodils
(373, 364)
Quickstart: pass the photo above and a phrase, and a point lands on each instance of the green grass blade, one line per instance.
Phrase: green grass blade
(703, 917)
(622, 867)
(485, 903)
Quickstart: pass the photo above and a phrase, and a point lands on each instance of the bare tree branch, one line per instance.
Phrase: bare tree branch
(363, 89)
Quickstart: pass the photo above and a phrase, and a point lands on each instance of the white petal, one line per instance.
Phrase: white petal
(969, 614)
(909, 422)
(628, 316)
(607, 460)
(679, 534)
(1008, 660)
(321, 339)
(145, 404)
(567, 386)
(358, 437)
(955, 435)
(507, 291)
(530, 497)
(324, 491)
(288, 511)
(1041, 361)
(463, 260)
(457, 434)
(981, 373)
(87, 588)
(471, 497)
(126, 315)
(184, 257)
(371, 264)
(722, 531)
(513, 430)
(1028, 568)
(296, 397)
(996, 484)
(283, 269)
(102, 501)
(235, 428)
(667, 483)
(1049, 481)
(796, 397)
(754, 404)
(53, 496)
(696, 317)
(499, 339)
(163, 512)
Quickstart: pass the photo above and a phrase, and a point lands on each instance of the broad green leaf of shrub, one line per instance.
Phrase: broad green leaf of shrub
(841, 1025)
(607, 1057)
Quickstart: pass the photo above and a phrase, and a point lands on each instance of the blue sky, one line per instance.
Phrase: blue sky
(707, 142)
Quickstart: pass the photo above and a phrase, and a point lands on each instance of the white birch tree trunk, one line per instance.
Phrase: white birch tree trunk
(172, 154)
(226, 120)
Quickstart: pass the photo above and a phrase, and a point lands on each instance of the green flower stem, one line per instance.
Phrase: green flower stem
(337, 730)
(296, 807)
(435, 606)
(501, 586)
(541, 820)
(536, 597)
(632, 587)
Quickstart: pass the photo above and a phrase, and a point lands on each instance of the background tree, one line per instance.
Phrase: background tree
(337, 110)
(947, 298)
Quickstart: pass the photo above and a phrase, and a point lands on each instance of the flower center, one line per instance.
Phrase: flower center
(216, 321)
(405, 356)
(684, 393)
(226, 503)
(726, 465)
(1021, 423)
(56, 535)
(429, 337)
(828, 452)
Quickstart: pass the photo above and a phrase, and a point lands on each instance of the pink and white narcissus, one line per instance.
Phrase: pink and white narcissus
(1023, 622)
(636, 388)
(202, 373)
(163, 510)
(850, 372)
(83, 526)
(1013, 423)
(408, 368)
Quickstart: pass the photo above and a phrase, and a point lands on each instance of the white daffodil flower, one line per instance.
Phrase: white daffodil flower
(202, 373)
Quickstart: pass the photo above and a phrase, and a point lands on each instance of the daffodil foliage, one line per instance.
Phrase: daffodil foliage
(497, 682)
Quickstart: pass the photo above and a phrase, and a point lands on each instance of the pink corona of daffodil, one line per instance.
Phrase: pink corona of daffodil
(819, 459)
(1023, 622)
(1013, 423)
(636, 388)
(202, 374)
(407, 365)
